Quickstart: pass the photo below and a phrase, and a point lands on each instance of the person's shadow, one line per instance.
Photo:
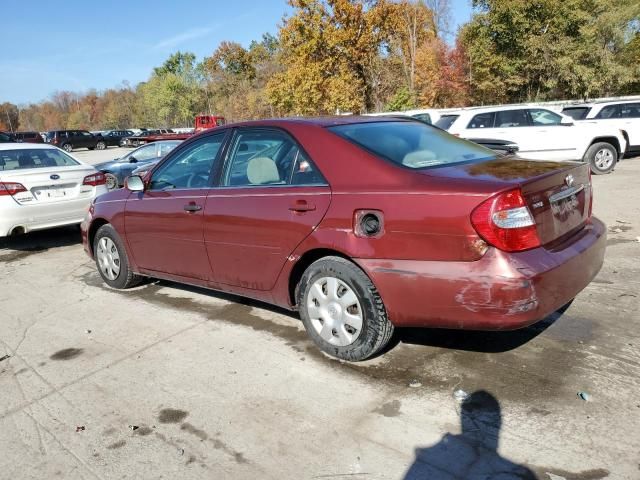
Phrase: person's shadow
(473, 454)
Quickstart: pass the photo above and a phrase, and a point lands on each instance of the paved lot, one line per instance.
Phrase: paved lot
(174, 382)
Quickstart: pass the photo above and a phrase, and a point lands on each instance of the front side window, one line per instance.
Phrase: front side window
(445, 121)
(512, 118)
(482, 120)
(544, 118)
(610, 111)
(265, 157)
(34, 158)
(191, 167)
(411, 144)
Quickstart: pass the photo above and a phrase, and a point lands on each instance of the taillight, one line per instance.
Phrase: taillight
(505, 222)
(95, 179)
(11, 188)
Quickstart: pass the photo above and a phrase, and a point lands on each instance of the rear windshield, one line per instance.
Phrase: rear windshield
(34, 158)
(577, 113)
(412, 144)
(445, 121)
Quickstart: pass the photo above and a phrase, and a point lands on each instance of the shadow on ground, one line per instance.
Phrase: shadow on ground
(42, 240)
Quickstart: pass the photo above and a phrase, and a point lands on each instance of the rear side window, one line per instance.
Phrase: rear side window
(268, 157)
(482, 120)
(577, 113)
(411, 144)
(630, 110)
(445, 121)
(512, 118)
(610, 111)
(34, 158)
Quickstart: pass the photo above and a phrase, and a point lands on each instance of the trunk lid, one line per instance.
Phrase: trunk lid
(558, 194)
(50, 185)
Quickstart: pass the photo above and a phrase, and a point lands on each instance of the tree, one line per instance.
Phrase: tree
(9, 117)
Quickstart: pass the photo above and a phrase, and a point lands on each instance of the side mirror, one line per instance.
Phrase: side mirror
(134, 183)
(566, 121)
(133, 159)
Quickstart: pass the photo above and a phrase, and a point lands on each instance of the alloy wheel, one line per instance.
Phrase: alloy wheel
(603, 159)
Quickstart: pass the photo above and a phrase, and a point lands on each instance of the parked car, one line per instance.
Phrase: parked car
(115, 138)
(540, 134)
(426, 115)
(6, 137)
(28, 137)
(71, 139)
(120, 168)
(138, 139)
(361, 224)
(624, 115)
(43, 187)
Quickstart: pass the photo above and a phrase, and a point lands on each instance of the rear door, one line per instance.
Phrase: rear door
(163, 224)
(271, 197)
(552, 139)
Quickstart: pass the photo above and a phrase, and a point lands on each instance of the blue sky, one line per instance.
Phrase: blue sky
(80, 45)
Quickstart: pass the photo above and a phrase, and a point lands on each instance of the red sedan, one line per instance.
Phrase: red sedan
(361, 224)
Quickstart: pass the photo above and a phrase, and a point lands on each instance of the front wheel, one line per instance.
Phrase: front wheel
(111, 181)
(111, 259)
(342, 310)
(602, 158)
(67, 147)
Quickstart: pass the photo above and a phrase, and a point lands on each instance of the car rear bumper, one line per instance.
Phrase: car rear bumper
(41, 216)
(501, 291)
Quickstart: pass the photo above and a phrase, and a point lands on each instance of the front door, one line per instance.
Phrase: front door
(630, 115)
(163, 224)
(270, 199)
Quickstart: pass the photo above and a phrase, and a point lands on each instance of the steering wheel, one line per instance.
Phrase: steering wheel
(197, 180)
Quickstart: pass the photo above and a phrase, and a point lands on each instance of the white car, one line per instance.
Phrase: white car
(426, 115)
(540, 134)
(624, 115)
(42, 187)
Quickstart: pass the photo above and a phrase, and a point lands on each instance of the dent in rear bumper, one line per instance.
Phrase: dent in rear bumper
(501, 291)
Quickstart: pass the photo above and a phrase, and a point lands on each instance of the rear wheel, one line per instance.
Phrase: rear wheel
(602, 158)
(101, 145)
(67, 147)
(111, 259)
(342, 310)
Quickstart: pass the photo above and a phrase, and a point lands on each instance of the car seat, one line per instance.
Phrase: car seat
(25, 161)
(262, 171)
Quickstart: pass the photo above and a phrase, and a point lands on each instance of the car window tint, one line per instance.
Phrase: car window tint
(261, 157)
(543, 118)
(412, 144)
(445, 121)
(145, 153)
(423, 117)
(630, 110)
(305, 172)
(512, 118)
(191, 167)
(610, 111)
(34, 158)
(577, 113)
(482, 120)
(166, 148)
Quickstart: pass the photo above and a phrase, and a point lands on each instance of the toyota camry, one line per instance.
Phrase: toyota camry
(361, 224)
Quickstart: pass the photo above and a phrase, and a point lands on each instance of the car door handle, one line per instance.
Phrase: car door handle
(192, 207)
(302, 206)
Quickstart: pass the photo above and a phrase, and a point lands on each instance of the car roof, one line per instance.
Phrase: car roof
(327, 121)
(26, 146)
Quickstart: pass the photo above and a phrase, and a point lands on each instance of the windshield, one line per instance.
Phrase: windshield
(34, 158)
(446, 121)
(412, 144)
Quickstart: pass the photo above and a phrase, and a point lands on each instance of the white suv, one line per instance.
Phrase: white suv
(624, 115)
(540, 134)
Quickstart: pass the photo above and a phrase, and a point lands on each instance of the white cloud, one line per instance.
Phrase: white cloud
(176, 40)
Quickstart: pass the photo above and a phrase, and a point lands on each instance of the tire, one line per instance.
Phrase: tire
(91, 148)
(107, 248)
(101, 146)
(123, 143)
(67, 147)
(111, 181)
(326, 311)
(601, 157)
